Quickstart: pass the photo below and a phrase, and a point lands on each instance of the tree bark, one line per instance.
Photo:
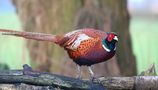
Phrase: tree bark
(15, 79)
(60, 16)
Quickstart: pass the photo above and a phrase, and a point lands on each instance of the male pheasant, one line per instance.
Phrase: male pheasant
(85, 46)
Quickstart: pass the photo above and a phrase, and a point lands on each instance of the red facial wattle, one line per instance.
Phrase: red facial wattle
(110, 37)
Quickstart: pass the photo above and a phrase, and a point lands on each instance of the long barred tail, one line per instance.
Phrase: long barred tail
(30, 35)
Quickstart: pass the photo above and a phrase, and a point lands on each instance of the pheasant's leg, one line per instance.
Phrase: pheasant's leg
(79, 72)
(92, 77)
(91, 73)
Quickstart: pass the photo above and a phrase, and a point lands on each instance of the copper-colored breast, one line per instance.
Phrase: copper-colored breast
(83, 48)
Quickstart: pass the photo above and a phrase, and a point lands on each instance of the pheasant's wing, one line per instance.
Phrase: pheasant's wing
(94, 33)
(76, 39)
(76, 36)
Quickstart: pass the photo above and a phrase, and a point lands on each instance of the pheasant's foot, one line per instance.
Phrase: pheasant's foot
(95, 80)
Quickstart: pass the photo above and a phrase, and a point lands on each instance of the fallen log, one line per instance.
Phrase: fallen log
(17, 79)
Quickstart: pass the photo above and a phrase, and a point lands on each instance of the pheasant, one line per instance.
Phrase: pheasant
(84, 46)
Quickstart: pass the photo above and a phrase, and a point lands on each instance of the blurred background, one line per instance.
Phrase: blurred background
(136, 22)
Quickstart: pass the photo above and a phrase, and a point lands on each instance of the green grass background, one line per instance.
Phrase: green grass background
(144, 32)
(13, 50)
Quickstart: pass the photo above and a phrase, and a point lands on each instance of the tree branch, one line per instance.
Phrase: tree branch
(46, 79)
(19, 79)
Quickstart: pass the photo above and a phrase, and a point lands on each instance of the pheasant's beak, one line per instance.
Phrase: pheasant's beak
(115, 38)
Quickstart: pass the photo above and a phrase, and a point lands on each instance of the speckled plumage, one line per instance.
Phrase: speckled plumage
(89, 51)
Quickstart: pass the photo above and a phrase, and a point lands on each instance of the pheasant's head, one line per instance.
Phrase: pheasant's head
(112, 37)
(109, 43)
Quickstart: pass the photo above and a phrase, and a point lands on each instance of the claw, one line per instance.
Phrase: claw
(95, 80)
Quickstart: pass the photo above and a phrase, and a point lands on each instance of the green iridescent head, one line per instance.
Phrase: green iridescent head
(109, 43)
